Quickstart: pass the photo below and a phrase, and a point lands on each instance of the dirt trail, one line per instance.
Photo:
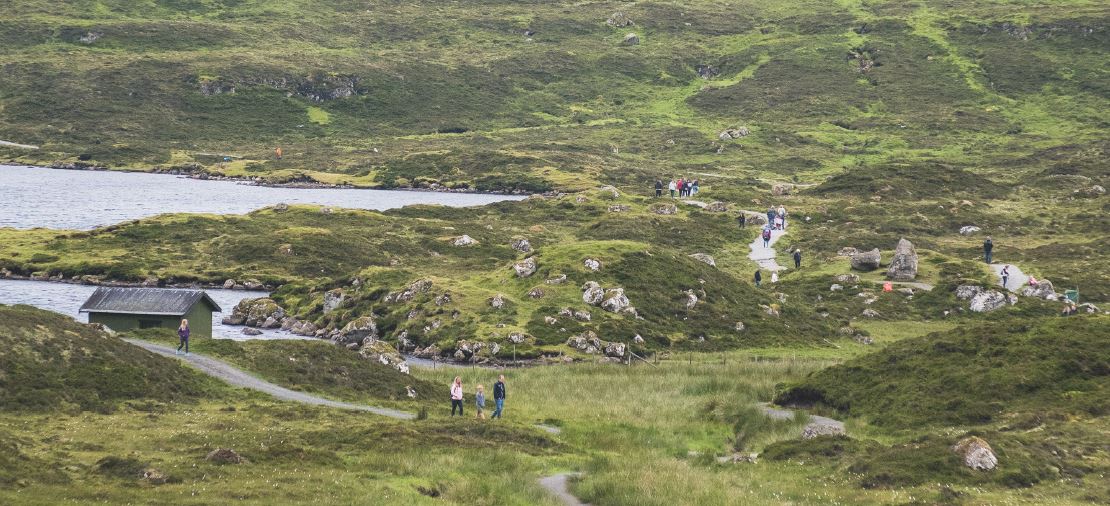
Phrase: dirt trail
(237, 377)
(10, 144)
(787, 414)
(765, 257)
(1017, 279)
(557, 485)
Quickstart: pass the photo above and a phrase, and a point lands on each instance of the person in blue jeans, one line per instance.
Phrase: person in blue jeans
(498, 397)
(183, 337)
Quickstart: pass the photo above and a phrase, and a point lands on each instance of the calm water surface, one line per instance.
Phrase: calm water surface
(66, 299)
(33, 197)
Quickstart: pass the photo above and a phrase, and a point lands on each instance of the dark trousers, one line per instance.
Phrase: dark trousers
(184, 343)
(456, 403)
(987, 256)
(797, 263)
(658, 192)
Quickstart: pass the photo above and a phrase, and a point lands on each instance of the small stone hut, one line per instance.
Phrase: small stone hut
(122, 309)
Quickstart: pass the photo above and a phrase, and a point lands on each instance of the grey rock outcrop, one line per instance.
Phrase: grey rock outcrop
(976, 453)
(866, 260)
(822, 429)
(615, 301)
(333, 299)
(463, 241)
(358, 330)
(255, 312)
(592, 293)
(717, 207)
(1043, 290)
(497, 301)
(410, 292)
(702, 257)
(966, 292)
(664, 209)
(988, 300)
(631, 39)
(619, 20)
(969, 230)
(592, 264)
(525, 268)
(521, 244)
(903, 267)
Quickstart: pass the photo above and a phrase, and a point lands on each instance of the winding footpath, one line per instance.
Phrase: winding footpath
(557, 485)
(786, 414)
(1016, 280)
(765, 257)
(239, 378)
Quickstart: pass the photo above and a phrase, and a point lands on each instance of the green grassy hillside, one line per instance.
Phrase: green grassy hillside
(51, 362)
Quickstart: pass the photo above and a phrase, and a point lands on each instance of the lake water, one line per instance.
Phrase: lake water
(66, 299)
(33, 197)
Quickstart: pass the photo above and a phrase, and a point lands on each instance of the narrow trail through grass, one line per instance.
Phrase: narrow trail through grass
(239, 378)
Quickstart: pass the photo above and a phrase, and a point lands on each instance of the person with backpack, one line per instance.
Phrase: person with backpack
(658, 188)
(758, 278)
(743, 219)
(797, 259)
(766, 237)
(782, 216)
(457, 396)
(988, 245)
(673, 186)
(695, 188)
(771, 216)
(498, 397)
(1005, 274)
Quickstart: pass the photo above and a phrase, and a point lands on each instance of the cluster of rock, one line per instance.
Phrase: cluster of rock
(588, 342)
(248, 284)
(664, 209)
(983, 300)
(409, 292)
(733, 133)
(613, 299)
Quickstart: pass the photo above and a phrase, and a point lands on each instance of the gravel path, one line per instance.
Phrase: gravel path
(557, 485)
(17, 145)
(239, 378)
(765, 257)
(1017, 279)
(787, 414)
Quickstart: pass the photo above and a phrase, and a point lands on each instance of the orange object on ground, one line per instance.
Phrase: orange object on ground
(888, 287)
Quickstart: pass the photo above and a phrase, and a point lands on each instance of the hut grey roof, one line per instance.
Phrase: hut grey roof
(152, 301)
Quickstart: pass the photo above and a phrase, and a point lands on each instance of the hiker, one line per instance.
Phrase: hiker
(498, 397)
(797, 259)
(480, 402)
(1005, 275)
(743, 219)
(672, 186)
(658, 188)
(277, 152)
(988, 245)
(456, 396)
(758, 278)
(695, 187)
(782, 217)
(183, 336)
(1032, 281)
(766, 237)
(681, 187)
(771, 216)
(774, 277)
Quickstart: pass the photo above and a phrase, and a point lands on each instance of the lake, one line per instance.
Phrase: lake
(33, 197)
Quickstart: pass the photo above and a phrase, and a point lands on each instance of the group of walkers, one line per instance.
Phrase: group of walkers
(479, 398)
(776, 218)
(683, 187)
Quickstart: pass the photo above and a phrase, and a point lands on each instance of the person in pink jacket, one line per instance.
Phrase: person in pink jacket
(457, 396)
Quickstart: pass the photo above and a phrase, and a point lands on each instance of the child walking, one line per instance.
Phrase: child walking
(480, 402)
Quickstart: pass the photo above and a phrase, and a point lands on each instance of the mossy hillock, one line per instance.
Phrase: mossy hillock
(51, 362)
(973, 375)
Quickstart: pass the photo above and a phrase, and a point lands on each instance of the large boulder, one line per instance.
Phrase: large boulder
(966, 292)
(615, 350)
(224, 456)
(255, 312)
(615, 301)
(631, 39)
(1043, 289)
(866, 260)
(702, 257)
(592, 293)
(817, 429)
(969, 230)
(691, 299)
(525, 268)
(381, 352)
(521, 244)
(333, 299)
(619, 20)
(497, 301)
(903, 267)
(976, 453)
(592, 264)
(463, 240)
(358, 330)
(988, 300)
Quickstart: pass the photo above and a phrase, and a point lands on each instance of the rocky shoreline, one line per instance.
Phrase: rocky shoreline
(151, 282)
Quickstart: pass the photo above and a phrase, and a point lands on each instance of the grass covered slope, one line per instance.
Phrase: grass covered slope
(972, 375)
(48, 361)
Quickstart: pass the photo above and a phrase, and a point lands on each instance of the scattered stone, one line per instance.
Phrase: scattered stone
(1092, 191)
(497, 301)
(326, 210)
(463, 241)
(615, 301)
(822, 429)
(615, 350)
(281, 207)
(906, 291)
(638, 339)
(525, 268)
(521, 244)
(976, 453)
(557, 280)
(966, 292)
(702, 257)
(154, 476)
(619, 208)
(410, 292)
(285, 250)
(619, 20)
(866, 260)
(631, 39)
(987, 301)
(664, 209)
(717, 207)
(740, 326)
(253, 284)
(1043, 290)
(251, 331)
(846, 251)
(592, 293)
(738, 458)
(862, 339)
(969, 230)
(592, 264)
(150, 282)
(333, 299)
(550, 320)
(707, 71)
(610, 192)
(1089, 308)
(583, 316)
(870, 313)
(443, 300)
(780, 189)
(536, 293)
(691, 299)
(255, 312)
(90, 37)
(358, 330)
(835, 288)
(383, 353)
(847, 278)
(903, 267)
(224, 456)
(733, 133)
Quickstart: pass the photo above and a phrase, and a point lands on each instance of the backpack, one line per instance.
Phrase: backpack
(766, 234)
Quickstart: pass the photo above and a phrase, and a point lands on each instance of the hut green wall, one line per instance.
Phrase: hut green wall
(200, 320)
